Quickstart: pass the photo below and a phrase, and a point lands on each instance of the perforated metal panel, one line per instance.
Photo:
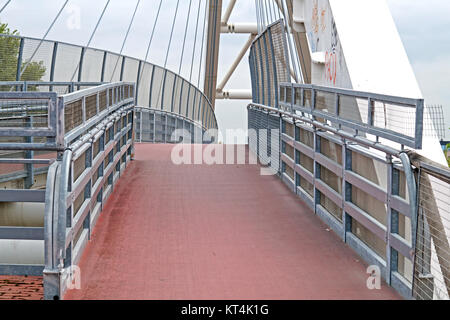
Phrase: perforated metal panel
(269, 64)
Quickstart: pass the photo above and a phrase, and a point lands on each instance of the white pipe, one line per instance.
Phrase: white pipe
(236, 63)
(227, 13)
(234, 94)
(241, 27)
(22, 214)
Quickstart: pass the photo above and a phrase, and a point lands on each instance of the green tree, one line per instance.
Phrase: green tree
(9, 54)
(447, 153)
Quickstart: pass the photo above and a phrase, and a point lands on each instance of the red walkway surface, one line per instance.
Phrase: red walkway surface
(213, 232)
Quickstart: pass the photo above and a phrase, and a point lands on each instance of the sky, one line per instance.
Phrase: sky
(423, 27)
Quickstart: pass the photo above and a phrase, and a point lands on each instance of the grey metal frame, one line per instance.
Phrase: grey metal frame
(170, 117)
(66, 228)
(210, 121)
(334, 118)
(395, 160)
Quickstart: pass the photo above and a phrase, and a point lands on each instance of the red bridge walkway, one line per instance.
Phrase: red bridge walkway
(213, 232)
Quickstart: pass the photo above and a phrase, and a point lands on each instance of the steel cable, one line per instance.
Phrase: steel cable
(43, 38)
(185, 34)
(171, 33)
(195, 39)
(125, 39)
(6, 4)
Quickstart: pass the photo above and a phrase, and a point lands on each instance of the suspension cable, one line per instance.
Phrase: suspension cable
(98, 23)
(153, 31)
(92, 35)
(43, 38)
(290, 45)
(257, 16)
(264, 13)
(272, 10)
(277, 9)
(269, 12)
(125, 39)
(151, 38)
(203, 42)
(261, 15)
(6, 4)
(171, 34)
(195, 39)
(185, 33)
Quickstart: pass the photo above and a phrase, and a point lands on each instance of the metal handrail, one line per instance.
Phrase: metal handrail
(141, 65)
(407, 208)
(333, 115)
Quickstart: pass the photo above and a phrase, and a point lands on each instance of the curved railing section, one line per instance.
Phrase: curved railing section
(86, 139)
(157, 126)
(29, 59)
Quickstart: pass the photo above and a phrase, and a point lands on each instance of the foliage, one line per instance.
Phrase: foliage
(447, 153)
(9, 53)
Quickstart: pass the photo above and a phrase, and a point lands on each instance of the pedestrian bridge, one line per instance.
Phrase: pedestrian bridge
(329, 195)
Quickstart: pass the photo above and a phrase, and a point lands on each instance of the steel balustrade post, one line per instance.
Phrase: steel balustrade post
(154, 127)
(391, 264)
(343, 188)
(53, 63)
(122, 68)
(102, 75)
(181, 97)
(347, 189)
(137, 80)
(412, 191)
(269, 85)
(274, 66)
(80, 68)
(29, 154)
(418, 134)
(316, 169)
(19, 61)
(163, 89)
(83, 108)
(51, 279)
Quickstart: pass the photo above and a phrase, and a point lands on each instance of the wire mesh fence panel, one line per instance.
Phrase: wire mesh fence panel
(9, 53)
(73, 115)
(23, 113)
(36, 61)
(190, 103)
(168, 91)
(269, 64)
(113, 65)
(144, 85)
(184, 99)
(157, 86)
(92, 65)
(91, 106)
(35, 65)
(130, 70)
(67, 63)
(434, 122)
(432, 258)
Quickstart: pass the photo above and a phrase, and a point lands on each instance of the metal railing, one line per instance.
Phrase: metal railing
(432, 254)
(53, 62)
(381, 116)
(158, 126)
(269, 64)
(94, 143)
(45, 86)
(364, 189)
